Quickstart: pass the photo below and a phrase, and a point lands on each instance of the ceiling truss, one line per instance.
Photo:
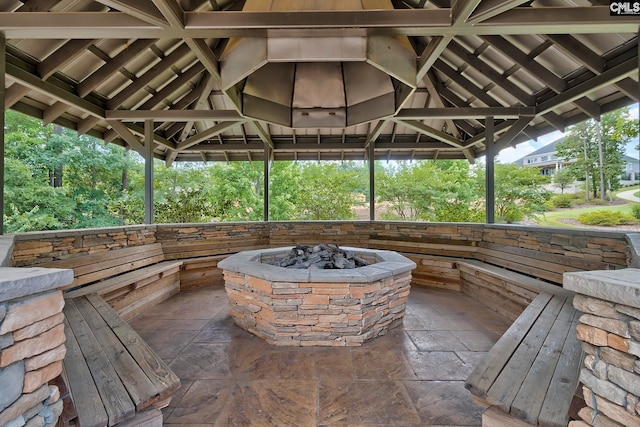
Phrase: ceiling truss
(107, 66)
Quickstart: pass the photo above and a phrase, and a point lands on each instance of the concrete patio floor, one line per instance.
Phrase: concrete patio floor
(414, 376)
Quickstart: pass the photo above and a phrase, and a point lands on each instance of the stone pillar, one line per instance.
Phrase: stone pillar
(610, 333)
(31, 345)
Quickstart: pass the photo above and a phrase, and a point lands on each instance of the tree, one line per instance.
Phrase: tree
(328, 193)
(56, 179)
(563, 179)
(617, 128)
(441, 190)
(519, 192)
(284, 189)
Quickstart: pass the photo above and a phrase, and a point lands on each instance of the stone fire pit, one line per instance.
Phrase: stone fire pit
(297, 307)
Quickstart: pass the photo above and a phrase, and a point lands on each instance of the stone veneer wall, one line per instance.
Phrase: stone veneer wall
(583, 249)
(610, 333)
(47, 246)
(32, 345)
(317, 314)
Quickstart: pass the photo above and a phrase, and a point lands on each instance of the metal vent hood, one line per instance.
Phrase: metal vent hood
(318, 81)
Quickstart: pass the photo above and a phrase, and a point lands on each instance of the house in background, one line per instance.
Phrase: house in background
(546, 159)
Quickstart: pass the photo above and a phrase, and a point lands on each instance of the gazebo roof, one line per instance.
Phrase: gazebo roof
(103, 67)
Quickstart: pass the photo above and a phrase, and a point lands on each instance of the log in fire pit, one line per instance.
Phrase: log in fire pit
(319, 256)
(317, 306)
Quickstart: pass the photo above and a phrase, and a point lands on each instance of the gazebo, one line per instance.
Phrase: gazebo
(269, 80)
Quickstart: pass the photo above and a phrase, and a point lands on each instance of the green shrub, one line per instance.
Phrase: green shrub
(549, 205)
(635, 210)
(562, 201)
(605, 218)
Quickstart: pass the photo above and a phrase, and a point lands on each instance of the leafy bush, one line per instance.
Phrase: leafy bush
(605, 218)
(562, 201)
(635, 210)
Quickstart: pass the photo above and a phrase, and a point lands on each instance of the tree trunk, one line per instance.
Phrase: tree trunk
(586, 171)
(603, 190)
(55, 176)
(124, 185)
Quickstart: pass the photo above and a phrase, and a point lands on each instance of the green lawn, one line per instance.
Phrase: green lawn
(551, 219)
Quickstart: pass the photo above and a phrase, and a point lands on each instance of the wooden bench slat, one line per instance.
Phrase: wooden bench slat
(530, 398)
(484, 375)
(527, 282)
(115, 398)
(564, 381)
(156, 370)
(140, 388)
(90, 260)
(125, 279)
(549, 261)
(84, 393)
(116, 257)
(516, 262)
(125, 266)
(506, 386)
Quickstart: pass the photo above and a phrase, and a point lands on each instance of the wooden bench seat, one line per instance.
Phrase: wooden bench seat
(130, 279)
(505, 291)
(530, 375)
(112, 375)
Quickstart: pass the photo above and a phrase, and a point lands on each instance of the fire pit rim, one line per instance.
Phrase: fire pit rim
(388, 263)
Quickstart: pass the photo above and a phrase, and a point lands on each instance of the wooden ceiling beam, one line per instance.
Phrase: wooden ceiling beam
(429, 131)
(263, 133)
(13, 94)
(59, 94)
(142, 10)
(90, 83)
(207, 134)
(580, 53)
(138, 84)
(172, 12)
(490, 8)
(173, 115)
(411, 22)
(62, 57)
(466, 84)
(607, 78)
(128, 136)
(490, 73)
(465, 113)
(173, 86)
(541, 73)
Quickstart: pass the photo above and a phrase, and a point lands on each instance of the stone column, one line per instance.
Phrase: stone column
(31, 345)
(610, 333)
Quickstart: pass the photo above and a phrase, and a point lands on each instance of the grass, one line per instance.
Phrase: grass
(552, 219)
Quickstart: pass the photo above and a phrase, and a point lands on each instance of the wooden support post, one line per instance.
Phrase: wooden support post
(148, 172)
(372, 182)
(3, 62)
(267, 166)
(490, 171)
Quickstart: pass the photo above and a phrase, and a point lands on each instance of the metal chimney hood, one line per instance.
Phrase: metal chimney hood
(318, 81)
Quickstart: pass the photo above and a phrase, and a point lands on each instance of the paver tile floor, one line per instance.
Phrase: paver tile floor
(413, 376)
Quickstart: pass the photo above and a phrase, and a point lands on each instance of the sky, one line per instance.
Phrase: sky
(509, 155)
